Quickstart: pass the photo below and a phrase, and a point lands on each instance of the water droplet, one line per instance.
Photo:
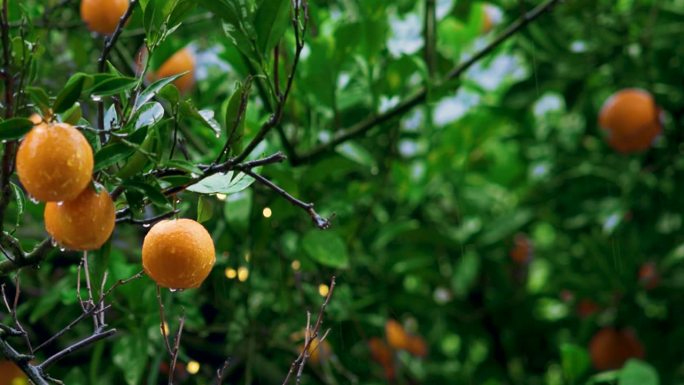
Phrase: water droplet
(60, 203)
(33, 200)
(194, 175)
(147, 225)
(53, 242)
(96, 98)
(176, 290)
(62, 249)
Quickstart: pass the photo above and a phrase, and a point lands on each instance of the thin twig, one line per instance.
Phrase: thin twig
(320, 221)
(221, 372)
(176, 348)
(163, 326)
(97, 336)
(311, 334)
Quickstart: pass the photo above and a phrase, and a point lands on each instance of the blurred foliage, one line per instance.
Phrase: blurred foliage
(427, 207)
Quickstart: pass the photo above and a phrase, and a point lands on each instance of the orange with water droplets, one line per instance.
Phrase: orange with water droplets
(54, 162)
(178, 254)
(102, 16)
(179, 62)
(631, 120)
(10, 374)
(83, 223)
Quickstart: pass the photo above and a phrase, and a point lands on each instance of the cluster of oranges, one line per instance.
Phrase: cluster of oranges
(397, 339)
(55, 165)
(103, 16)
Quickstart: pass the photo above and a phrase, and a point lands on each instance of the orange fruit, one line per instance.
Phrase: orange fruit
(383, 355)
(319, 351)
(631, 120)
(54, 162)
(417, 346)
(102, 16)
(178, 254)
(396, 335)
(610, 348)
(180, 62)
(83, 223)
(10, 374)
(522, 249)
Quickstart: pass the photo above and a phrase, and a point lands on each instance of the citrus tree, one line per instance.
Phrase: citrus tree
(496, 186)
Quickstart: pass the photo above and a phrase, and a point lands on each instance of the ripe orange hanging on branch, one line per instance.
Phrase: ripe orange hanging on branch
(179, 62)
(178, 254)
(631, 120)
(610, 348)
(102, 16)
(54, 162)
(83, 223)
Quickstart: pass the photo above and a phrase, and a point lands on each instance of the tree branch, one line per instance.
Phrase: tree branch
(421, 95)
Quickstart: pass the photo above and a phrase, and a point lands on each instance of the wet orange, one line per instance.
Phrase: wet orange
(180, 62)
(396, 335)
(631, 120)
(10, 374)
(611, 348)
(178, 254)
(102, 16)
(83, 223)
(54, 162)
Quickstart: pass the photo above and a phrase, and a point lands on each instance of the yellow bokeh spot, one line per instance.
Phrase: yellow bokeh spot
(323, 289)
(243, 274)
(221, 197)
(296, 265)
(193, 367)
(248, 256)
(231, 273)
(267, 212)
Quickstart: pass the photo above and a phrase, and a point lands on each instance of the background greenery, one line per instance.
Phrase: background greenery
(427, 205)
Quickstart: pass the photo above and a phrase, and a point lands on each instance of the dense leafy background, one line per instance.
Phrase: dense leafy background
(427, 206)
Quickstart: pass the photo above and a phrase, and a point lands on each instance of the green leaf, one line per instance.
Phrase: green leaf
(149, 115)
(271, 20)
(465, 273)
(154, 88)
(222, 183)
(71, 92)
(130, 355)
(575, 361)
(40, 98)
(112, 153)
(235, 116)
(153, 193)
(113, 86)
(14, 128)
(205, 117)
(20, 201)
(73, 115)
(205, 209)
(182, 165)
(636, 372)
(326, 248)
